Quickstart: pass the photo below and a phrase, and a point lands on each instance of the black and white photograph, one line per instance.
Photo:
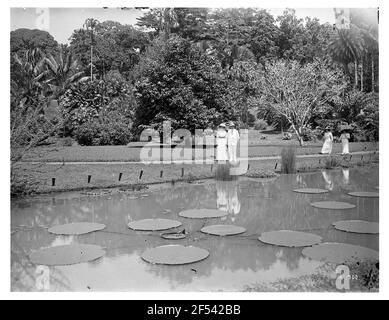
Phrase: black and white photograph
(189, 149)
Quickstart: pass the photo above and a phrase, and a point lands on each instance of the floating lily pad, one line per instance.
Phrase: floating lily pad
(173, 236)
(223, 230)
(311, 190)
(364, 194)
(357, 226)
(340, 253)
(174, 255)
(202, 213)
(77, 228)
(288, 238)
(333, 205)
(96, 193)
(154, 224)
(67, 255)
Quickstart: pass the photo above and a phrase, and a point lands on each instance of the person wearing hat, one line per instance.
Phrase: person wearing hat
(232, 141)
(345, 137)
(221, 143)
(328, 139)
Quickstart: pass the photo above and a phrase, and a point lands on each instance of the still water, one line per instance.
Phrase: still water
(235, 262)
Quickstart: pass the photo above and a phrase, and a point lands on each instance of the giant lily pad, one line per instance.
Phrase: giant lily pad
(288, 238)
(364, 194)
(333, 205)
(223, 230)
(174, 255)
(76, 228)
(67, 255)
(154, 224)
(173, 236)
(340, 253)
(357, 226)
(311, 190)
(202, 213)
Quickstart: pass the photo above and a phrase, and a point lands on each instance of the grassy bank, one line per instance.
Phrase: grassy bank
(39, 177)
(124, 153)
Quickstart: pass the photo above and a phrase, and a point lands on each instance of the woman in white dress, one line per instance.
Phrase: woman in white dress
(221, 144)
(345, 136)
(328, 139)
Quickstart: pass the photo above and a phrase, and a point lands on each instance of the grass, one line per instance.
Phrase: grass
(123, 153)
(103, 175)
(288, 160)
(332, 162)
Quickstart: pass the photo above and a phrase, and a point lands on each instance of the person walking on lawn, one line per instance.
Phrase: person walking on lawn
(328, 140)
(345, 136)
(232, 141)
(221, 144)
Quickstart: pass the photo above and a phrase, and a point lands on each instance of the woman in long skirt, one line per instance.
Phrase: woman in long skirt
(328, 139)
(345, 136)
(221, 142)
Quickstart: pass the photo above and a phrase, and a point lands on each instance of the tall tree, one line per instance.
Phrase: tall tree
(294, 92)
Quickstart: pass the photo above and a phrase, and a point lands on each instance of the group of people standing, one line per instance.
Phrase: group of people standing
(227, 139)
(329, 139)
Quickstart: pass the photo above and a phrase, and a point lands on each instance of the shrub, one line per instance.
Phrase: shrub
(331, 162)
(223, 172)
(288, 160)
(111, 131)
(260, 125)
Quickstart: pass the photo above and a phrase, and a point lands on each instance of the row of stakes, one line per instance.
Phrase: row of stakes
(182, 172)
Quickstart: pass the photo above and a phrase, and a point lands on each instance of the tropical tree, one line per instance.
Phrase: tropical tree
(294, 91)
(27, 74)
(62, 71)
(90, 25)
(348, 46)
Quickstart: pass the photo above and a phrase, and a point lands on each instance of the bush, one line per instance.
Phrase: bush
(260, 125)
(331, 162)
(111, 132)
(288, 160)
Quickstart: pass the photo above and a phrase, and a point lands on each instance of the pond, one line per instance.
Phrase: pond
(259, 205)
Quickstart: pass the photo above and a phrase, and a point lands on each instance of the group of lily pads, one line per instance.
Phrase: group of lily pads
(179, 254)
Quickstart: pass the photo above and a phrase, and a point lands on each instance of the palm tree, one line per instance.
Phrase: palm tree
(61, 72)
(347, 47)
(30, 72)
(91, 25)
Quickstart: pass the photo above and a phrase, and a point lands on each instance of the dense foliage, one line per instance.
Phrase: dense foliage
(198, 67)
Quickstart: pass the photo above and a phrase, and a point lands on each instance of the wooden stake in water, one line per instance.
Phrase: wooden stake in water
(161, 174)
(140, 174)
(89, 178)
(53, 182)
(120, 176)
(182, 172)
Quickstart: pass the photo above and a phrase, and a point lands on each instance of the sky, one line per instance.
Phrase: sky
(60, 22)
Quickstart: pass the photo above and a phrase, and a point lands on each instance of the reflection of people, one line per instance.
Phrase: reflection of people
(346, 176)
(328, 139)
(227, 196)
(328, 180)
(232, 140)
(221, 142)
(345, 136)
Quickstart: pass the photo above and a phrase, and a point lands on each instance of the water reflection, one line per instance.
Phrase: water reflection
(258, 205)
(227, 196)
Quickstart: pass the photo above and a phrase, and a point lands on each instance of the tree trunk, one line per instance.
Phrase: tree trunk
(355, 74)
(362, 75)
(91, 63)
(372, 72)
